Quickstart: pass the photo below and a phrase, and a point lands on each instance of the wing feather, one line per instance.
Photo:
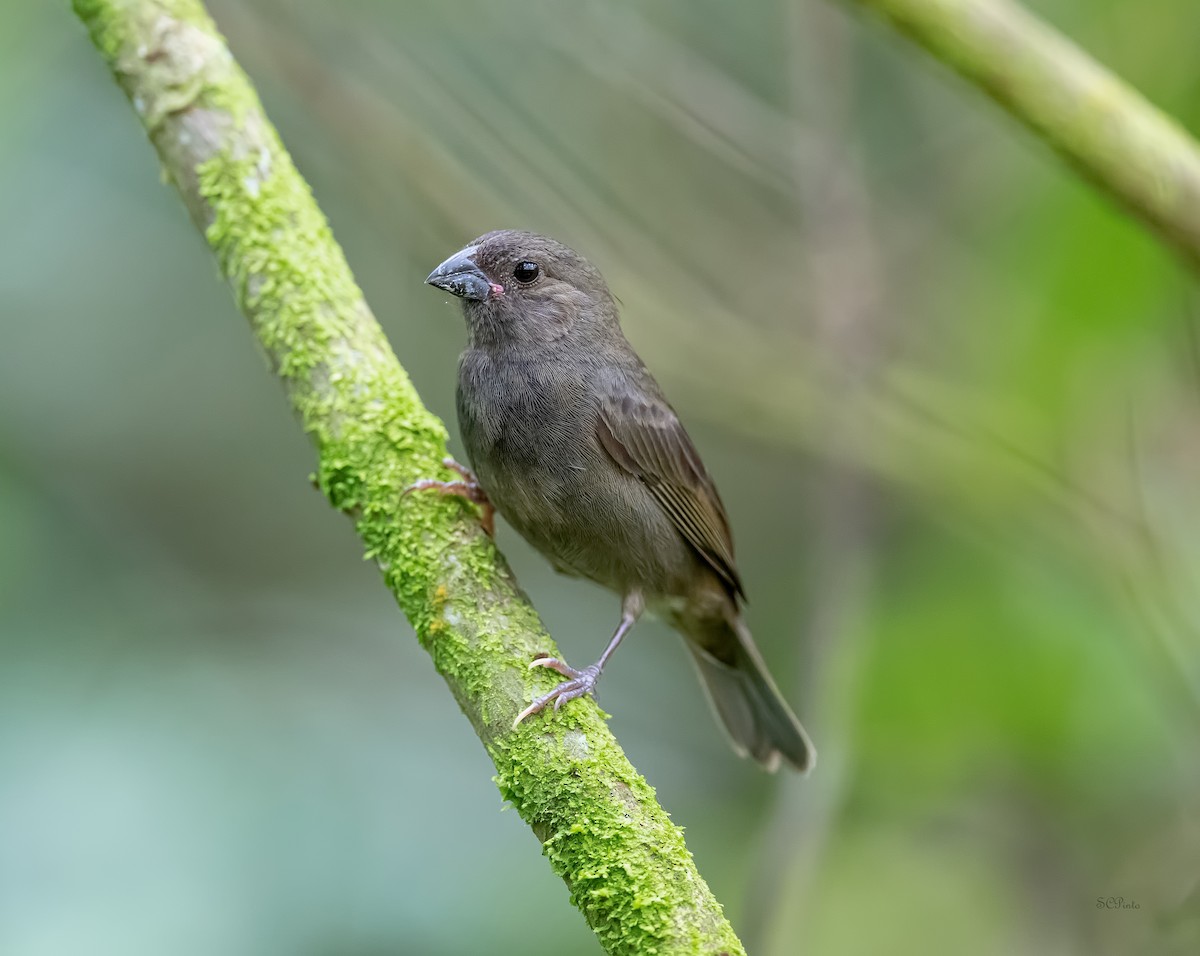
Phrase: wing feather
(643, 436)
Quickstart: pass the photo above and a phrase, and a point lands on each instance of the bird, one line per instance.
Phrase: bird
(570, 438)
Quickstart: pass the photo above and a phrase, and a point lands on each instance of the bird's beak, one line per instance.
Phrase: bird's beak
(460, 276)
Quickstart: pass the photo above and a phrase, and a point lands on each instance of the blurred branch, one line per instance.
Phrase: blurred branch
(1104, 128)
(624, 861)
(846, 290)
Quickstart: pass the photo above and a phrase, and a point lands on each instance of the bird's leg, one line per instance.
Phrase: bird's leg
(468, 488)
(581, 682)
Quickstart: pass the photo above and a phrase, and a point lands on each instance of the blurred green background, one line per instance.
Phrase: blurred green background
(951, 397)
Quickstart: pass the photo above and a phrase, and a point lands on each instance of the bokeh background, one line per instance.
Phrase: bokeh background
(951, 397)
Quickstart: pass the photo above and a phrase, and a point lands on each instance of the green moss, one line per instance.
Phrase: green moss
(107, 24)
(635, 884)
(168, 56)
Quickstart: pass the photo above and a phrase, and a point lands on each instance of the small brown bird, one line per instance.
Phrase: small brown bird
(571, 440)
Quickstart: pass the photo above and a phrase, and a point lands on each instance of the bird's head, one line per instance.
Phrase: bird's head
(519, 287)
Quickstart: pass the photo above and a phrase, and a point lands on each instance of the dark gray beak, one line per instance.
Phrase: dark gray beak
(460, 276)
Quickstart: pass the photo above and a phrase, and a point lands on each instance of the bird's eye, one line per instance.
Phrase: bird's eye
(525, 272)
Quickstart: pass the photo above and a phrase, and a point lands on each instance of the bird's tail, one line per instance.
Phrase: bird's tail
(753, 712)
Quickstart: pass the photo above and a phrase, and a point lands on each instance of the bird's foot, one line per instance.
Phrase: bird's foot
(468, 488)
(578, 684)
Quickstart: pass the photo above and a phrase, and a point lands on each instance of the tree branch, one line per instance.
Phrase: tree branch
(625, 863)
(1105, 129)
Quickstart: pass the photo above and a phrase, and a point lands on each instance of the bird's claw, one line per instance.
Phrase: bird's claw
(463, 470)
(468, 488)
(555, 665)
(579, 683)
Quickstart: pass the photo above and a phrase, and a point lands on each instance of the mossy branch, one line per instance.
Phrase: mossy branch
(1110, 133)
(623, 860)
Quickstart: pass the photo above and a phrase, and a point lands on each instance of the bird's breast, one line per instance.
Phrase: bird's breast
(529, 430)
(530, 433)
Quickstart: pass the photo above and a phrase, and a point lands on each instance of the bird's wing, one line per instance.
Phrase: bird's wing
(645, 438)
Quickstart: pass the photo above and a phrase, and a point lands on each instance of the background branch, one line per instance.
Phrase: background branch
(625, 863)
(1108, 131)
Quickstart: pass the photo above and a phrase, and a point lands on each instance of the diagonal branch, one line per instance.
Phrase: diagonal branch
(1104, 128)
(625, 863)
